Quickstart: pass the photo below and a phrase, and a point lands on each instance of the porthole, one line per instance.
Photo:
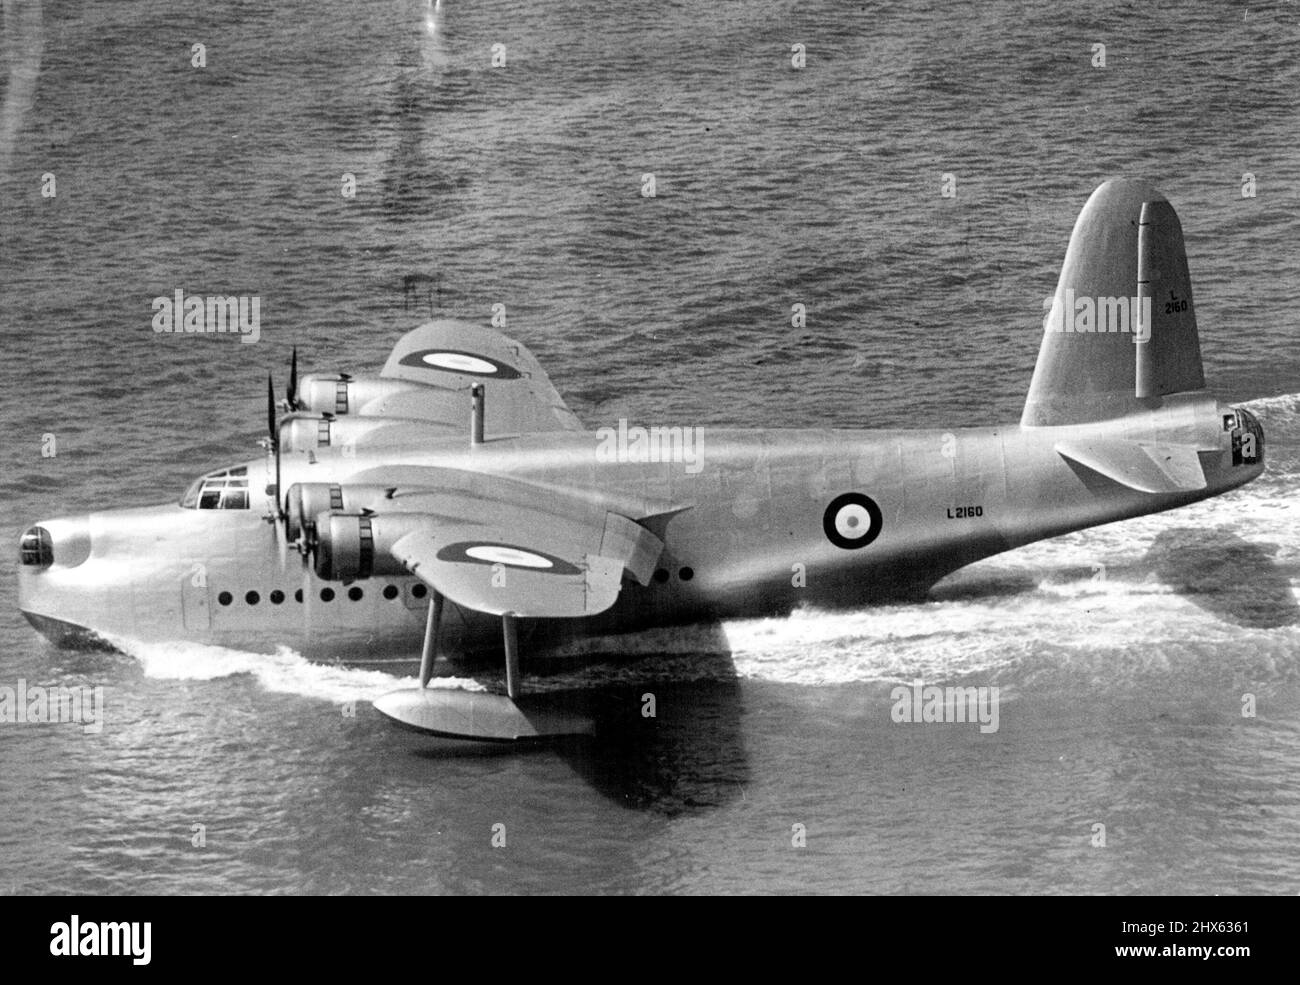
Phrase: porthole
(252, 598)
(355, 594)
(225, 598)
(686, 574)
(327, 595)
(419, 590)
(277, 597)
(391, 592)
(297, 596)
(661, 575)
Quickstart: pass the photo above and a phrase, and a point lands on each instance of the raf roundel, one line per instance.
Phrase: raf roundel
(510, 555)
(500, 554)
(459, 361)
(852, 521)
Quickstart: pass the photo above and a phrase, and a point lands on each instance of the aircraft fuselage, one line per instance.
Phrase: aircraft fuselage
(766, 521)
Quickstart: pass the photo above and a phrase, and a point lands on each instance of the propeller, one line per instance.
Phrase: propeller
(291, 395)
(307, 607)
(305, 540)
(273, 448)
(307, 543)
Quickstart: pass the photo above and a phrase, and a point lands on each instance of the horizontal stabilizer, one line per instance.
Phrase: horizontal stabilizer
(1146, 466)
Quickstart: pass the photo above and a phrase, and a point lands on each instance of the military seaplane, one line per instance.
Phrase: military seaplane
(452, 504)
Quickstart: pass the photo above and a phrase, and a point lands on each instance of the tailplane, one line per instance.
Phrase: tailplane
(1121, 332)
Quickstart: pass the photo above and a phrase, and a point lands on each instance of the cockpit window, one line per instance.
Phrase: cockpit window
(225, 490)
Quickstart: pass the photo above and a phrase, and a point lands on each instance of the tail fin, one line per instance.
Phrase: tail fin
(1122, 329)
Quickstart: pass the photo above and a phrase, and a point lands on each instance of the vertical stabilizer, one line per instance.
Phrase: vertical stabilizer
(1121, 332)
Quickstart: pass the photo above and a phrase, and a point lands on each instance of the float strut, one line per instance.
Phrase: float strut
(430, 651)
(510, 631)
(476, 414)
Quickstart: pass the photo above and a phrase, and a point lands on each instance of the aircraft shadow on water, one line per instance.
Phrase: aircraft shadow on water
(1238, 581)
(683, 754)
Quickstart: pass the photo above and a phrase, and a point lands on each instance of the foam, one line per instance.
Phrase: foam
(284, 671)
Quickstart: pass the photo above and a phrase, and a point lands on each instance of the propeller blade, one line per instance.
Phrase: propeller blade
(270, 412)
(273, 432)
(279, 489)
(282, 544)
(291, 398)
(306, 605)
(306, 544)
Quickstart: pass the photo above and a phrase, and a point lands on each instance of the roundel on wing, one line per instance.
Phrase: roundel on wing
(462, 362)
(510, 555)
(852, 521)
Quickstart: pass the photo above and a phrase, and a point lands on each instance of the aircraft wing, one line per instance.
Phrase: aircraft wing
(439, 489)
(448, 357)
(547, 560)
(509, 548)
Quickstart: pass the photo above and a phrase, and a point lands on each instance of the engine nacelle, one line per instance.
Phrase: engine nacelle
(310, 432)
(352, 546)
(305, 501)
(340, 393)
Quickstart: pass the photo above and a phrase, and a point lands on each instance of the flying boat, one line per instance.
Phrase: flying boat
(452, 505)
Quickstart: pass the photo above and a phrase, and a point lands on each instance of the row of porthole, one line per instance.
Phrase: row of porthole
(390, 592)
(685, 574)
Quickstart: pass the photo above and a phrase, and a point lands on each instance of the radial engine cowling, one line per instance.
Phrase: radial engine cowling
(353, 546)
(341, 393)
(305, 501)
(309, 432)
